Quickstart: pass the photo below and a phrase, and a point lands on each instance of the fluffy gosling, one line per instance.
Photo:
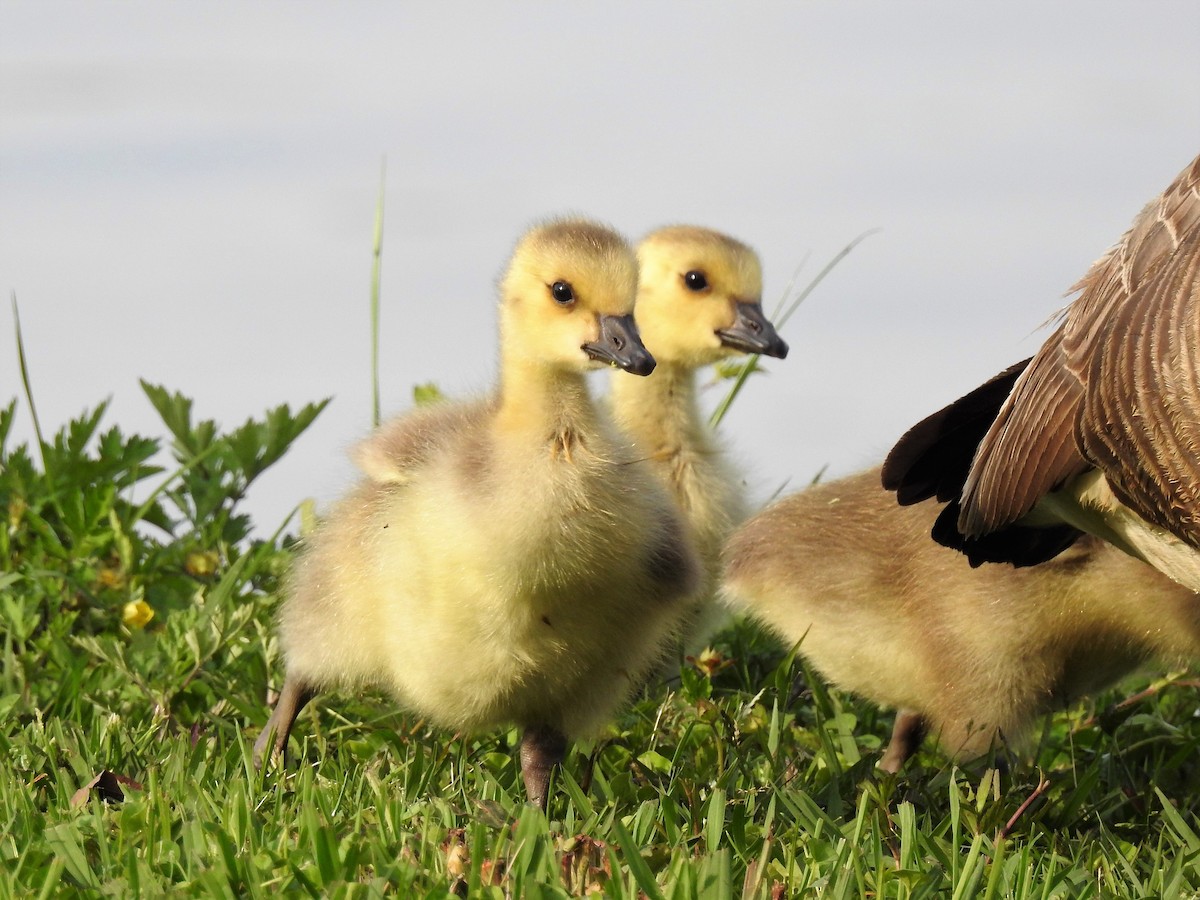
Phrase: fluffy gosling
(971, 656)
(699, 301)
(507, 560)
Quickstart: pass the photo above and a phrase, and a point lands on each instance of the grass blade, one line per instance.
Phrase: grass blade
(1180, 827)
(715, 826)
(376, 272)
(637, 865)
(24, 366)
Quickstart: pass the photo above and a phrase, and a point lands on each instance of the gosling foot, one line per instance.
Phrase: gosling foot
(293, 698)
(542, 748)
(907, 734)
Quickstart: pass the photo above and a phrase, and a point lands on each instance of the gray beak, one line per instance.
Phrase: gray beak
(752, 333)
(621, 345)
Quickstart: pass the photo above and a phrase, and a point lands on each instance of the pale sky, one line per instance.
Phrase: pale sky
(187, 192)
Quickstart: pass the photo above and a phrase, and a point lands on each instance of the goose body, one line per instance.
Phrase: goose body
(968, 655)
(505, 560)
(699, 301)
(1101, 429)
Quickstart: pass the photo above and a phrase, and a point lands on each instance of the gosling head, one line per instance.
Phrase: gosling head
(700, 298)
(566, 299)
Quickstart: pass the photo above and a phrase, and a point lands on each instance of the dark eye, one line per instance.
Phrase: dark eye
(562, 292)
(695, 280)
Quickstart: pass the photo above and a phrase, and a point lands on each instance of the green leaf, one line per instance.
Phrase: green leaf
(714, 826)
(258, 445)
(655, 762)
(64, 840)
(636, 863)
(7, 415)
(1178, 825)
(175, 410)
(427, 394)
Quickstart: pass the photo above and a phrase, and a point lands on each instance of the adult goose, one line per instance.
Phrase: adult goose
(1100, 430)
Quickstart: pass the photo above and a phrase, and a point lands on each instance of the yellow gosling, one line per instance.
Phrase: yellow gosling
(699, 301)
(506, 560)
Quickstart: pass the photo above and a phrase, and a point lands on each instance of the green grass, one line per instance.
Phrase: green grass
(748, 780)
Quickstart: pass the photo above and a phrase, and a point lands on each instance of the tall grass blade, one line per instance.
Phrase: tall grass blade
(968, 878)
(24, 366)
(1178, 825)
(637, 865)
(715, 826)
(52, 883)
(820, 276)
(995, 878)
(376, 272)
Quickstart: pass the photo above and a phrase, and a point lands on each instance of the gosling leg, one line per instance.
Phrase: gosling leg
(293, 698)
(907, 734)
(542, 748)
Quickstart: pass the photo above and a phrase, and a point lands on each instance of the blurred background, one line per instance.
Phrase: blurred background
(188, 192)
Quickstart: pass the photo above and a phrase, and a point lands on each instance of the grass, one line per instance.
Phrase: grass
(743, 777)
(137, 647)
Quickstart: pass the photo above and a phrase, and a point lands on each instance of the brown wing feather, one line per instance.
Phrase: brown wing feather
(1030, 448)
(1141, 417)
(933, 457)
(1116, 385)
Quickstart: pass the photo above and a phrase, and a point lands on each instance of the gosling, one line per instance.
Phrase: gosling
(508, 560)
(699, 301)
(971, 656)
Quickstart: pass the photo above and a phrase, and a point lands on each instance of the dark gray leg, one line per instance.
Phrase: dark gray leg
(907, 734)
(293, 698)
(542, 748)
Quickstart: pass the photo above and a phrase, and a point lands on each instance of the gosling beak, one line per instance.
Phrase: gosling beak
(752, 332)
(621, 345)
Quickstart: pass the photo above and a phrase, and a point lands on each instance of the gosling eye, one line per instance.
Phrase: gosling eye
(563, 293)
(695, 281)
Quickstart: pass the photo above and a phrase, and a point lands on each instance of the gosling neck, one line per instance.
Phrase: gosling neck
(660, 411)
(543, 400)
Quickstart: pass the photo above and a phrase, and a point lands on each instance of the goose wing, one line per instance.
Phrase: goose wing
(932, 460)
(1136, 347)
(1029, 449)
(404, 444)
(1115, 386)
(933, 457)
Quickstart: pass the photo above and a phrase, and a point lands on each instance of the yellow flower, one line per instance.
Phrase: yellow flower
(137, 613)
(110, 577)
(16, 510)
(710, 661)
(201, 563)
